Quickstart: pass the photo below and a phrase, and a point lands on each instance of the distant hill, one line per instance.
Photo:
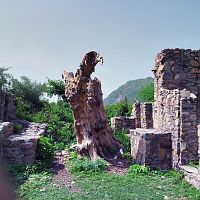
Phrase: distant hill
(130, 89)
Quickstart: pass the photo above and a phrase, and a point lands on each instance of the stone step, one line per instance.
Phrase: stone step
(21, 148)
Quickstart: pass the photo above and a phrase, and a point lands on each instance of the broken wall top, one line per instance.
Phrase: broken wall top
(178, 69)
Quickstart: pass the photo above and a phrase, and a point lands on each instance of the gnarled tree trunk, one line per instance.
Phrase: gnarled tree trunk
(93, 134)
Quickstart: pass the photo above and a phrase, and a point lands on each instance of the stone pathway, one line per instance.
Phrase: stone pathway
(62, 177)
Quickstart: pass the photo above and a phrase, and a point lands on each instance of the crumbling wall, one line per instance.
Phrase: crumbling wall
(151, 147)
(141, 117)
(146, 115)
(177, 103)
(7, 106)
(122, 122)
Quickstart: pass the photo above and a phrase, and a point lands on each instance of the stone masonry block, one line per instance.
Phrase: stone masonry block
(151, 147)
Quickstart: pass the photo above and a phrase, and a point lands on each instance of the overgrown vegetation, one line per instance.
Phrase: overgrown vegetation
(139, 183)
(31, 106)
(88, 166)
(35, 181)
(118, 109)
(28, 96)
(124, 138)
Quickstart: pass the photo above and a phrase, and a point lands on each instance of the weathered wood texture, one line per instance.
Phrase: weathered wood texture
(93, 134)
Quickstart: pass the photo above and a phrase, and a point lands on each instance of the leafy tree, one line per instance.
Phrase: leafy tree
(4, 79)
(56, 87)
(28, 95)
(146, 94)
(118, 109)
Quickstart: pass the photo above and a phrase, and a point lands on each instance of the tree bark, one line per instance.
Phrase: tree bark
(93, 134)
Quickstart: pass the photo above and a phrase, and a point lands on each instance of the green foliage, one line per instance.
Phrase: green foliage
(38, 186)
(17, 128)
(123, 137)
(4, 79)
(177, 176)
(22, 109)
(36, 182)
(56, 87)
(88, 166)
(147, 93)
(27, 97)
(194, 164)
(29, 90)
(23, 171)
(58, 117)
(138, 169)
(73, 155)
(130, 90)
(118, 109)
(45, 150)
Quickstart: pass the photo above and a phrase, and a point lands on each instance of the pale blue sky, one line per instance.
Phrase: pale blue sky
(41, 38)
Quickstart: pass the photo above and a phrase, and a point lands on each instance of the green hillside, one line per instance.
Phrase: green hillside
(130, 89)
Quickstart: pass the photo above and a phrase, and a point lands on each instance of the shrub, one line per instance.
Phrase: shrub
(45, 150)
(138, 169)
(17, 128)
(118, 109)
(122, 136)
(58, 117)
(88, 166)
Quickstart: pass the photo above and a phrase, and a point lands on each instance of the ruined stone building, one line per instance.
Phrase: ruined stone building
(16, 147)
(164, 133)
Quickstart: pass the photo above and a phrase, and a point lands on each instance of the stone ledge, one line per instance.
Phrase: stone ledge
(191, 175)
(151, 147)
(21, 148)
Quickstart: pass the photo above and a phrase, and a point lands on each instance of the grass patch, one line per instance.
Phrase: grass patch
(140, 183)
(88, 166)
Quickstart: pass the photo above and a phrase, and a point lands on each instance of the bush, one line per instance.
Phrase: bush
(122, 136)
(45, 150)
(88, 166)
(118, 109)
(58, 117)
(17, 128)
(138, 169)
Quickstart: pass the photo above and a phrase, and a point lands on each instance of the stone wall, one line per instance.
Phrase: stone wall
(141, 117)
(7, 106)
(146, 115)
(151, 147)
(142, 112)
(136, 113)
(6, 129)
(177, 103)
(123, 123)
(21, 147)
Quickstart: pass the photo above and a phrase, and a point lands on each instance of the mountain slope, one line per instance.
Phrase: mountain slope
(130, 89)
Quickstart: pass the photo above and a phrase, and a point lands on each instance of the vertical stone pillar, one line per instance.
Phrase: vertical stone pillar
(188, 130)
(136, 113)
(146, 115)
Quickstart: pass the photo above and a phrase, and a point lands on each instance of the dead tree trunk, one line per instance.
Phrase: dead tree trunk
(93, 134)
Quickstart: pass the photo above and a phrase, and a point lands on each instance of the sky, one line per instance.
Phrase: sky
(41, 38)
